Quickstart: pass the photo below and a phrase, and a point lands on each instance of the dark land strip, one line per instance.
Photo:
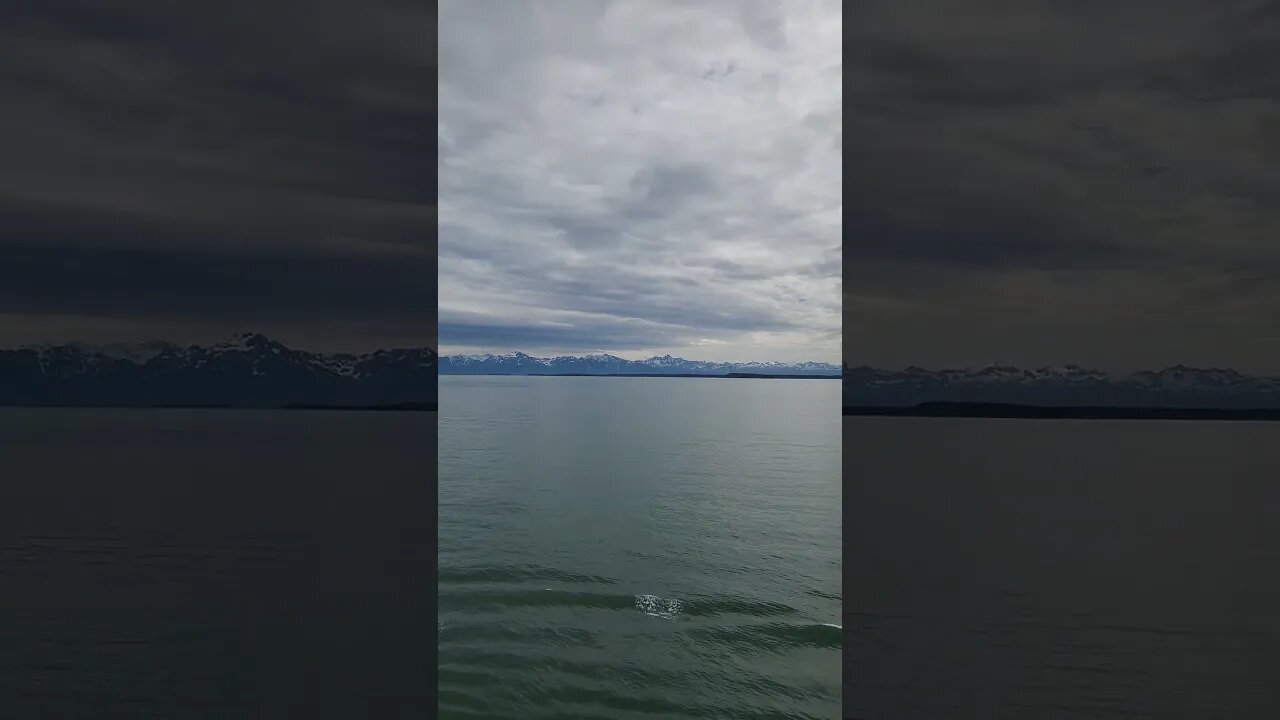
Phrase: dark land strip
(1042, 412)
(389, 407)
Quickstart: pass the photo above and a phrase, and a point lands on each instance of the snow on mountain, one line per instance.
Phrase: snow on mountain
(248, 369)
(137, 353)
(518, 363)
(1177, 386)
(253, 370)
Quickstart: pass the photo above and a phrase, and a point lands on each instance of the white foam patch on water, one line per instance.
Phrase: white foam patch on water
(838, 627)
(655, 606)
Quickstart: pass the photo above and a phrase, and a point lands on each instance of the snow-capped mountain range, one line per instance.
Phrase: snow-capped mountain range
(248, 370)
(518, 363)
(251, 370)
(1068, 385)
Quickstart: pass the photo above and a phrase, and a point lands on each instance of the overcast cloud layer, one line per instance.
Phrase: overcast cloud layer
(1049, 182)
(189, 170)
(641, 178)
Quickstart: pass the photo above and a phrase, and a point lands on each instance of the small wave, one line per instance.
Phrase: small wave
(773, 637)
(481, 507)
(728, 605)
(543, 637)
(471, 599)
(517, 574)
(655, 606)
(486, 667)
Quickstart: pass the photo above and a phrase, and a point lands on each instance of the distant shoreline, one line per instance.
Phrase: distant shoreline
(1041, 412)
(737, 376)
(390, 407)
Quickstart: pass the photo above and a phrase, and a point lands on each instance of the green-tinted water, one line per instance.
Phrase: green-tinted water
(639, 548)
(215, 564)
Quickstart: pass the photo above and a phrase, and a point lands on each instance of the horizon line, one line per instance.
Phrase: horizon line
(842, 364)
(970, 368)
(510, 353)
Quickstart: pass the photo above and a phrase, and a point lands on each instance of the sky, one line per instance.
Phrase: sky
(190, 171)
(641, 178)
(1046, 182)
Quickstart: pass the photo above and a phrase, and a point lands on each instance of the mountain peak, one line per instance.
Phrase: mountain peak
(519, 363)
(248, 340)
(1176, 386)
(248, 370)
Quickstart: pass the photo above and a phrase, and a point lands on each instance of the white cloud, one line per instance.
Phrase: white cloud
(653, 177)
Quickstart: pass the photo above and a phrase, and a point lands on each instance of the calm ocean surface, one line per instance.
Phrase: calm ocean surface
(215, 564)
(639, 548)
(1062, 569)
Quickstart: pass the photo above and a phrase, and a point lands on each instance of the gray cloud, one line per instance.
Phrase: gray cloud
(1053, 182)
(641, 179)
(199, 169)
